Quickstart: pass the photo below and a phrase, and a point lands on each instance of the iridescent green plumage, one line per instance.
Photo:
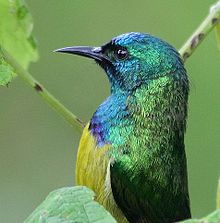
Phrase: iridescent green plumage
(143, 123)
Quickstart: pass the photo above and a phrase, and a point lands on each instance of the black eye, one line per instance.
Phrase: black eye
(121, 53)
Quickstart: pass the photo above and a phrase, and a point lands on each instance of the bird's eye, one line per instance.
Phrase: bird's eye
(121, 53)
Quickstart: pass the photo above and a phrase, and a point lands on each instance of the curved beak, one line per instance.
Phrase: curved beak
(86, 51)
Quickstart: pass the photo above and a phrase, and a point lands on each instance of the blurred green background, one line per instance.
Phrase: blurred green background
(38, 149)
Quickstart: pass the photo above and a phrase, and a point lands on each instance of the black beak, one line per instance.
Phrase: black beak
(86, 51)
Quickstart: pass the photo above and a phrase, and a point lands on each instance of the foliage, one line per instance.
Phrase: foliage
(76, 204)
(211, 218)
(69, 205)
(15, 37)
(6, 71)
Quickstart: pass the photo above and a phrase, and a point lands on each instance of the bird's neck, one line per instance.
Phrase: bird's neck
(159, 111)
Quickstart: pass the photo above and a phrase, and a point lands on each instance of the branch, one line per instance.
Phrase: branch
(42, 91)
(201, 32)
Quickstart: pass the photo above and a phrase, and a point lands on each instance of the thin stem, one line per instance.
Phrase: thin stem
(201, 32)
(46, 95)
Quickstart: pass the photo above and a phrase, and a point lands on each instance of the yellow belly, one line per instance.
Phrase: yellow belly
(93, 171)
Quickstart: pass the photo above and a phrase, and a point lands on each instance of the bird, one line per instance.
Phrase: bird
(132, 152)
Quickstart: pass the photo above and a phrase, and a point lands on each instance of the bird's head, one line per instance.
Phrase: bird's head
(132, 59)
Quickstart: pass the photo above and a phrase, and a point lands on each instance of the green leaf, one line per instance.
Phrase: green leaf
(6, 71)
(211, 218)
(15, 37)
(70, 205)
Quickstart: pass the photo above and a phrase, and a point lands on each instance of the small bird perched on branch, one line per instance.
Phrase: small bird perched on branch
(132, 152)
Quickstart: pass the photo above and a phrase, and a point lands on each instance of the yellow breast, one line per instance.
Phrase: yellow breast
(93, 171)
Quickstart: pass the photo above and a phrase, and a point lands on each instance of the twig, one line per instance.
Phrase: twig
(46, 95)
(201, 32)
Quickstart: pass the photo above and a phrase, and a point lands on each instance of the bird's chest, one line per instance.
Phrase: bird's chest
(111, 122)
(93, 171)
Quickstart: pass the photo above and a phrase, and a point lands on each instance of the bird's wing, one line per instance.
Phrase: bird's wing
(127, 195)
(141, 200)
